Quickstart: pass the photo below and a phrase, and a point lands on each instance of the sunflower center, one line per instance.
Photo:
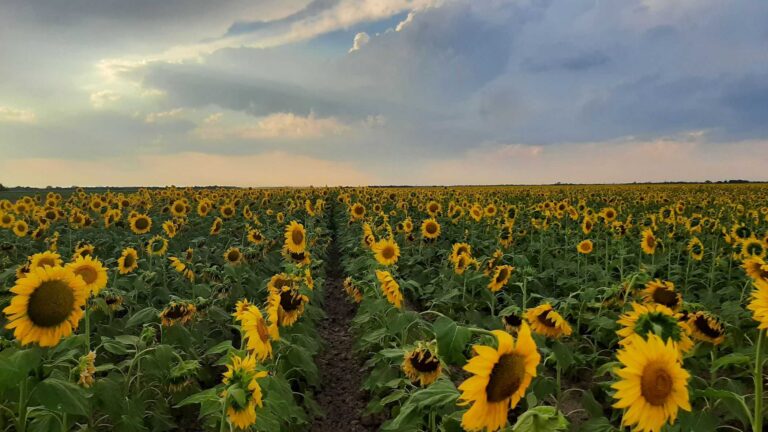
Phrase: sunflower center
(651, 241)
(129, 260)
(88, 274)
(289, 301)
(233, 256)
(544, 319)
(142, 223)
(665, 297)
(656, 384)
(51, 303)
(176, 312)
(297, 237)
(47, 261)
(431, 228)
(425, 362)
(513, 320)
(388, 252)
(506, 377)
(503, 274)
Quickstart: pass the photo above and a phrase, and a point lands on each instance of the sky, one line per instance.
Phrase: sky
(364, 92)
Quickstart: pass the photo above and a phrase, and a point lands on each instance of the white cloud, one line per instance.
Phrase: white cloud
(15, 115)
(360, 40)
(102, 98)
(281, 126)
(185, 169)
(157, 117)
(409, 19)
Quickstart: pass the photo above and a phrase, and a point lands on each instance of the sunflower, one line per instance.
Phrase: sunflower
(654, 319)
(242, 376)
(255, 236)
(648, 243)
(308, 280)
(233, 256)
(386, 251)
(706, 327)
(84, 250)
(300, 259)
(653, 384)
(500, 277)
(285, 306)
(6, 220)
(157, 246)
(430, 229)
(459, 249)
(182, 268)
(463, 263)
(240, 308)
(696, 249)
(499, 379)
(421, 365)
(22, 270)
(759, 304)
(47, 306)
(227, 211)
(179, 208)
(256, 332)
(756, 268)
(357, 211)
(177, 313)
(433, 208)
(295, 237)
(663, 293)
(140, 224)
(752, 247)
(45, 259)
(352, 291)
(216, 226)
(128, 261)
(585, 247)
(92, 271)
(170, 228)
(390, 288)
(546, 321)
(512, 322)
(20, 228)
(587, 225)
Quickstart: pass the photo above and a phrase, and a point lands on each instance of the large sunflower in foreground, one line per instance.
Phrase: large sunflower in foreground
(242, 375)
(499, 379)
(386, 251)
(47, 306)
(128, 261)
(295, 237)
(546, 321)
(759, 304)
(653, 384)
(93, 273)
(421, 365)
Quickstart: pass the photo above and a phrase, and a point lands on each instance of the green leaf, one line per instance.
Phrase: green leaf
(60, 395)
(209, 395)
(540, 419)
(451, 340)
(143, 316)
(219, 348)
(562, 355)
(15, 366)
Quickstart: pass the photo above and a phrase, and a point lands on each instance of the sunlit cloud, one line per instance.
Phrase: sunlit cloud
(15, 115)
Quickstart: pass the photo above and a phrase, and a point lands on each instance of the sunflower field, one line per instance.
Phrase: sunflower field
(546, 308)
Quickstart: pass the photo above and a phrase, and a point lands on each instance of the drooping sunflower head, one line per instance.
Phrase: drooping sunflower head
(157, 246)
(178, 313)
(45, 259)
(663, 293)
(295, 237)
(92, 271)
(286, 305)
(390, 288)
(585, 247)
(256, 331)
(648, 243)
(459, 249)
(47, 305)
(512, 322)
(128, 261)
(421, 365)
(544, 320)
(696, 249)
(500, 377)
(140, 224)
(652, 386)
(501, 275)
(430, 229)
(654, 319)
(233, 256)
(386, 251)
(706, 327)
(216, 226)
(84, 249)
(352, 291)
(242, 375)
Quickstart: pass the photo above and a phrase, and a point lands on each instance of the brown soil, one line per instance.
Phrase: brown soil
(340, 397)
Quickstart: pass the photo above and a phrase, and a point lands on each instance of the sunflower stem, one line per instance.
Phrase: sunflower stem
(223, 425)
(558, 377)
(87, 327)
(757, 425)
(21, 424)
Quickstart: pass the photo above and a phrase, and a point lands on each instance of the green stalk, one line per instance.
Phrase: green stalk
(757, 425)
(87, 327)
(21, 424)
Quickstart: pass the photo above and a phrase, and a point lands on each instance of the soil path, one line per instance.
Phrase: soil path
(341, 398)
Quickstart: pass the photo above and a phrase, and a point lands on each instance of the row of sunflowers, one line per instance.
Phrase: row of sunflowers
(161, 309)
(569, 308)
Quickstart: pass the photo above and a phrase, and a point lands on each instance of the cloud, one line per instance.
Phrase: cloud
(15, 115)
(170, 115)
(360, 40)
(185, 169)
(102, 98)
(276, 126)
